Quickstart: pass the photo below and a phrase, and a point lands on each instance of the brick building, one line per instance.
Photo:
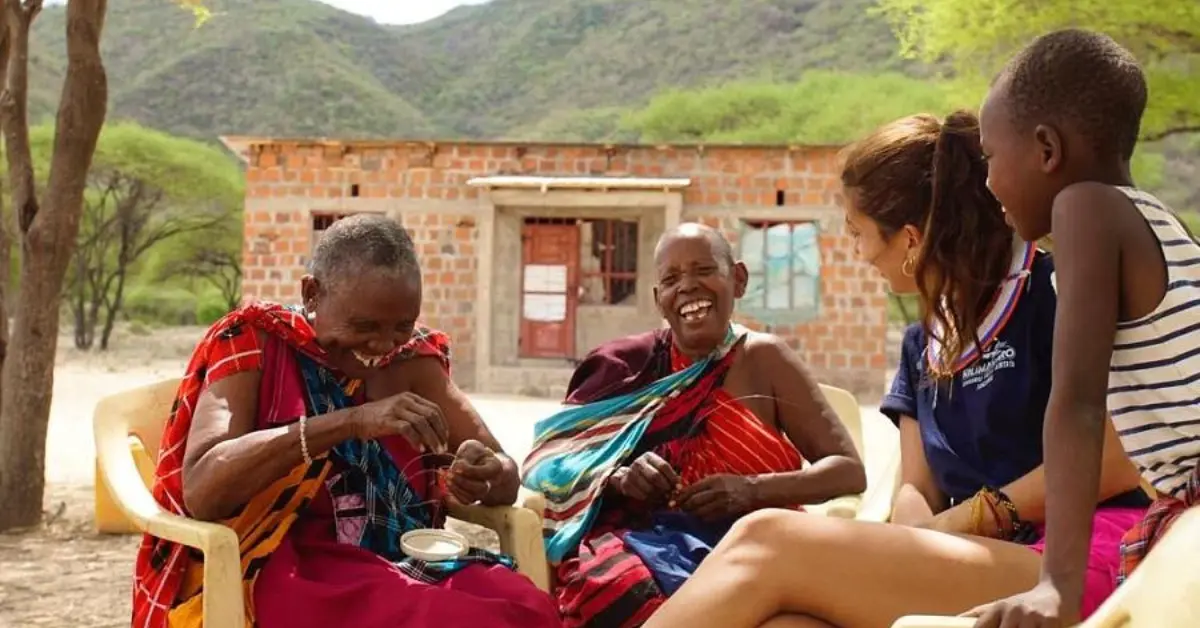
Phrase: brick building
(535, 253)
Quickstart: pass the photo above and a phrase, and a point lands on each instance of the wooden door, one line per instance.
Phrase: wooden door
(549, 290)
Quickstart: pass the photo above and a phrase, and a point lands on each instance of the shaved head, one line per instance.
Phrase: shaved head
(721, 249)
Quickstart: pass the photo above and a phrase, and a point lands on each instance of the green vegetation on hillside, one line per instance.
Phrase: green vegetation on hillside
(821, 108)
(298, 67)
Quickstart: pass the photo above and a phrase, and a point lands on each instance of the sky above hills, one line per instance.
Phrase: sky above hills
(399, 11)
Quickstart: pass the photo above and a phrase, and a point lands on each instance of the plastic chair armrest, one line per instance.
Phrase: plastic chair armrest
(223, 604)
(520, 532)
(844, 507)
(880, 495)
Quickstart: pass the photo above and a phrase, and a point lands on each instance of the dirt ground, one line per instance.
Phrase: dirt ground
(64, 574)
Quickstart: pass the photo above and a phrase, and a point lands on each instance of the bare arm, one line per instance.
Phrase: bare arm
(1028, 493)
(1087, 260)
(1117, 475)
(919, 496)
(813, 427)
(427, 379)
(226, 462)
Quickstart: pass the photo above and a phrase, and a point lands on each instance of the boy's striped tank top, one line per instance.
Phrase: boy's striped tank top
(1154, 378)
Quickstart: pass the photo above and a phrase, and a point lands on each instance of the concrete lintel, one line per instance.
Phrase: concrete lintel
(353, 205)
(827, 216)
(581, 198)
(545, 184)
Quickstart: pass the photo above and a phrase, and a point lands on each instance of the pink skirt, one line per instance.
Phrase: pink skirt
(1109, 525)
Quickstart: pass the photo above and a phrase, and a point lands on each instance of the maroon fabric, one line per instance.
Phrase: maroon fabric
(313, 580)
(621, 366)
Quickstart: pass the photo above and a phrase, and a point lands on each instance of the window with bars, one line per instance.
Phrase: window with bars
(608, 262)
(322, 221)
(784, 262)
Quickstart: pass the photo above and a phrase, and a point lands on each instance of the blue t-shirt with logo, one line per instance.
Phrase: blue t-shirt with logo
(984, 428)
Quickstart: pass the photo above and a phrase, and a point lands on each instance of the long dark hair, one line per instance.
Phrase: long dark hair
(931, 174)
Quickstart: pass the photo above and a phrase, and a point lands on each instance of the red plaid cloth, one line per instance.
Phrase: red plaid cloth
(1163, 513)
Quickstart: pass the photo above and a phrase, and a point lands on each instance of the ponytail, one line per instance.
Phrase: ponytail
(966, 245)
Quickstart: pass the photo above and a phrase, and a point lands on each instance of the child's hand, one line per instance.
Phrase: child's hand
(1039, 607)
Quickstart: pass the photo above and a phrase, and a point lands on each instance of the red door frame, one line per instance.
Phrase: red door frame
(533, 333)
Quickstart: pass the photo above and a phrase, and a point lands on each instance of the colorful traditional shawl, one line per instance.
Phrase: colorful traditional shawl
(1163, 513)
(576, 451)
(167, 573)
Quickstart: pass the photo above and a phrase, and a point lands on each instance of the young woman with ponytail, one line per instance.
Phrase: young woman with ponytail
(969, 399)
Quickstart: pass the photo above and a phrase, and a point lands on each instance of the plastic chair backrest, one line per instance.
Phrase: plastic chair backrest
(847, 409)
(142, 411)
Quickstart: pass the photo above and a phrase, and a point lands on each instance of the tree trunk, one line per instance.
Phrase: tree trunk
(5, 221)
(113, 307)
(79, 307)
(48, 240)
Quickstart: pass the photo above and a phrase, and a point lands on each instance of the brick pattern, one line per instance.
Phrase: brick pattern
(287, 180)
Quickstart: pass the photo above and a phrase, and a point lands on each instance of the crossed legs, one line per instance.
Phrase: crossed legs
(784, 569)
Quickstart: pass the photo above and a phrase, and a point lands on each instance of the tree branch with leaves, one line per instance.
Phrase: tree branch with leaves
(978, 37)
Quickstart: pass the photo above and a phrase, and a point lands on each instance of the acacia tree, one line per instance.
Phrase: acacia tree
(145, 188)
(977, 37)
(46, 228)
(215, 260)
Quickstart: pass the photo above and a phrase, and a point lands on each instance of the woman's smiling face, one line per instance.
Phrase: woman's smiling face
(364, 316)
(893, 256)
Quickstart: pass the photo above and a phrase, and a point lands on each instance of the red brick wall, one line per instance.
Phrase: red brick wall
(427, 184)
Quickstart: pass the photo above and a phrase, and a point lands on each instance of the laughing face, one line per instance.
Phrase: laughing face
(697, 287)
(364, 317)
(1021, 166)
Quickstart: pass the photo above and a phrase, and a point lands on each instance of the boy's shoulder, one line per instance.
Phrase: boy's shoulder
(1091, 215)
(1092, 198)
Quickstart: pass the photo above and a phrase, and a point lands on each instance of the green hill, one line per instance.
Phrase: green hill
(298, 67)
(528, 69)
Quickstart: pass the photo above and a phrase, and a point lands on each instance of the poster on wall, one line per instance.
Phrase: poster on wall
(545, 278)
(545, 308)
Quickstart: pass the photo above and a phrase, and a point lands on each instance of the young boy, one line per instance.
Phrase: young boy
(1058, 129)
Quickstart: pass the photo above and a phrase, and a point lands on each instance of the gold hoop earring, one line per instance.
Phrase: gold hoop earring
(908, 268)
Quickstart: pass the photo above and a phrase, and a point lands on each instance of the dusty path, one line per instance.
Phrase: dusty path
(65, 575)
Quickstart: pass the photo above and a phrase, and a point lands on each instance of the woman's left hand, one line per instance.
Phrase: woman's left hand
(474, 470)
(718, 497)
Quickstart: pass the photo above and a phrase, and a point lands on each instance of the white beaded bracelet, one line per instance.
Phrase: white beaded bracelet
(304, 441)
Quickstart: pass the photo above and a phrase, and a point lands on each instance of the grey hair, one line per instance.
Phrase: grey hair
(360, 242)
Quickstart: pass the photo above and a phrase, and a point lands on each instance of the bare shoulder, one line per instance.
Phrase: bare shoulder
(769, 349)
(1094, 209)
(415, 375)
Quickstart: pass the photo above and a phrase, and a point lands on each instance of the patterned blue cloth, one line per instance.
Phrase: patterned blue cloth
(392, 507)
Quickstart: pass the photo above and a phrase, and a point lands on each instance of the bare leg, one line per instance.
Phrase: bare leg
(794, 621)
(850, 574)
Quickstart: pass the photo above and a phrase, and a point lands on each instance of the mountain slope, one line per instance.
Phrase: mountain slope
(298, 67)
(269, 67)
(514, 61)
